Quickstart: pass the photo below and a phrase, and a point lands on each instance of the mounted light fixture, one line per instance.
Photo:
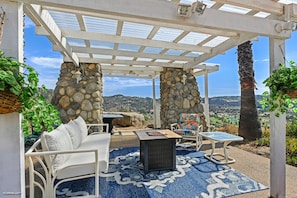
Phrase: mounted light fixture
(199, 7)
(77, 75)
(186, 10)
(183, 80)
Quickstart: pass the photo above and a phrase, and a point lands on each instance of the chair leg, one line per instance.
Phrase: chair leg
(198, 142)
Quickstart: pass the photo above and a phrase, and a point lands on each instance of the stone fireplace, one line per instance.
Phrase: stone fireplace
(82, 97)
(179, 94)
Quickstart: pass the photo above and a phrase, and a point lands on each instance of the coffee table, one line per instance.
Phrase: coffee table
(157, 152)
(223, 137)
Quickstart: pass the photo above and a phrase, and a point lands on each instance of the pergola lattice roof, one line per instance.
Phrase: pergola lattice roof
(137, 38)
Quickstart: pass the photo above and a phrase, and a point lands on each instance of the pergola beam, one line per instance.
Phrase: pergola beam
(96, 36)
(130, 62)
(221, 48)
(130, 54)
(46, 22)
(165, 11)
(262, 6)
(135, 69)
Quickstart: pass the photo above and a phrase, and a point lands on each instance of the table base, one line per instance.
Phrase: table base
(158, 154)
(227, 159)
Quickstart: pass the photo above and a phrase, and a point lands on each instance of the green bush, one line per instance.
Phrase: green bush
(264, 141)
(291, 128)
(291, 147)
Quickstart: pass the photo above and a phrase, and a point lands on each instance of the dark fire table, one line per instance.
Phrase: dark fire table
(157, 152)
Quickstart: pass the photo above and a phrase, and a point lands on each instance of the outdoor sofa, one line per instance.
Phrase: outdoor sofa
(68, 153)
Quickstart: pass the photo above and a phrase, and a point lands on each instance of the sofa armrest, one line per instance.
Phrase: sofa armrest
(174, 126)
(61, 152)
(99, 127)
(51, 170)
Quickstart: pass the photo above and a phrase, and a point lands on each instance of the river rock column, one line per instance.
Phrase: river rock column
(179, 94)
(82, 98)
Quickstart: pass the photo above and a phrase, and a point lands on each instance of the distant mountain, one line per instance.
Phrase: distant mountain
(230, 101)
(121, 103)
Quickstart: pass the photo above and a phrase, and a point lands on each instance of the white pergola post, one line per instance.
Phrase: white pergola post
(277, 130)
(12, 171)
(154, 103)
(206, 100)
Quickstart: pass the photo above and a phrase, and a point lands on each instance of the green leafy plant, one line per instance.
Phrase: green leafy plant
(280, 82)
(38, 114)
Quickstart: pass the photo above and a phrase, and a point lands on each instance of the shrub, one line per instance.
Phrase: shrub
(291, 128)
(291, 147)
(264, 141)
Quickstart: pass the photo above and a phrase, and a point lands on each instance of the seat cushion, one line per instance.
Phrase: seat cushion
(74, 133)
(189, 121)
(185, 132)
(82, 126)
(56, 140)
(85, 161)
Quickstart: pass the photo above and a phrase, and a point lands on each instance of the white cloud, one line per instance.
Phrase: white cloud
(28, 22)
(49, 82)
(54, 63)
(113, 83)
(262, 60)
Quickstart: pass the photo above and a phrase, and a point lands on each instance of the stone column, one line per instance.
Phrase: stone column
(82, 98)
(179, 94)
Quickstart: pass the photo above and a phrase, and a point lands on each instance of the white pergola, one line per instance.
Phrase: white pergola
(138, 38)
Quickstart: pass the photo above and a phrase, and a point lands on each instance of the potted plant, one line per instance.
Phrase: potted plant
(19, 92)
(283, 89)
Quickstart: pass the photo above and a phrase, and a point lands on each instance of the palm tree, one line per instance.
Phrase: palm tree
(249, 124)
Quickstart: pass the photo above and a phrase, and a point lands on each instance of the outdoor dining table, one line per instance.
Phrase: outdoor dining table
(223, 137)
(108, 118)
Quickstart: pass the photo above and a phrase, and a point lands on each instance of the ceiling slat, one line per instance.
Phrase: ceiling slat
(95, 36)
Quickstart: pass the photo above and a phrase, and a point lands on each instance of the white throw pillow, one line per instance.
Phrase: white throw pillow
(57, 140)
(74, 133)
(82, 126)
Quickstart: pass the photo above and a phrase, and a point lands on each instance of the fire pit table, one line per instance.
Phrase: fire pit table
(157, 149)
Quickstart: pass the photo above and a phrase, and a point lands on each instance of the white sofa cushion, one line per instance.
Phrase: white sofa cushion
(57, 140)
(74, 133)
(83, 163)
(82, 126)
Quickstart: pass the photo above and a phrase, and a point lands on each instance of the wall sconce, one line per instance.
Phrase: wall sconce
(77, 75)
(199, 7)
(186, 10)
(184, 79)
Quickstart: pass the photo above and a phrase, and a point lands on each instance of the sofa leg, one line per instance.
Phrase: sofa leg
(97, 186)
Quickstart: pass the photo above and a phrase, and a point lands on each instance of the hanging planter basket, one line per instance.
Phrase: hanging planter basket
(9, 102)
(292, 93)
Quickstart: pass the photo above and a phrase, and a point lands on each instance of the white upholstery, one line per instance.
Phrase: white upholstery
(74, 133)
(57, 140)
(82, 126)
(86, 160)
(70, 154)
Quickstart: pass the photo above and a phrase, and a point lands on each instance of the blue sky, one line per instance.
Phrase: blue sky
(225, 82)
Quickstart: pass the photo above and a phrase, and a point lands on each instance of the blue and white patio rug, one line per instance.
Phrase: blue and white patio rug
(195, 176)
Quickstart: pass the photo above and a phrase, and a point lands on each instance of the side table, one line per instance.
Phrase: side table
(224, 138)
